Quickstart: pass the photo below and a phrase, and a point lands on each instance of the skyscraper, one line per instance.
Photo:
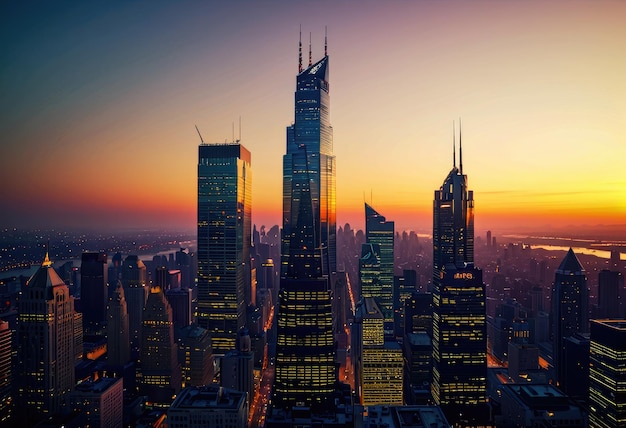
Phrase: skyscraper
(45, 335)
(135, 293)
(459, 311)
(305, 349)
(381, 232)
(93, 290)
(607, 374)
(224, 240)
(160, 370)
(310, 156)
(379, 364)
(117, 330)
(570, 308)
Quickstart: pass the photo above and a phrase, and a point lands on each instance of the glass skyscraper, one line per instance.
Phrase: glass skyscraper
(381, 232)
(310, 156)
(459, 306)
(570, 309)
(224, 239)
(305, 350)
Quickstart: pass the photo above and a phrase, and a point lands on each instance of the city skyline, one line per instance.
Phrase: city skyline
(99, 106)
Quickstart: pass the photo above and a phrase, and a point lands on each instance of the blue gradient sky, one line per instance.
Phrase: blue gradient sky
(99, 101)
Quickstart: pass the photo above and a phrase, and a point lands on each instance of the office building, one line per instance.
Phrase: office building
(101, 400)
(610, 286)
(570, 308)
(224, 239)
(378, 363)
(195, 355)
(607, 374)
(238, 367)
(135, 293)
(381, 232)
(537, 405)
(181, 304)
(117, 329)
(369, 270)
(459, 336)
(160, 378)
(93, 291)
(309, 156)
(208, 406)
(45, 339)
(305, 351)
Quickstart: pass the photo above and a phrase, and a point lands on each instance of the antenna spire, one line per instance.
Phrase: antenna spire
(310, 56)
(460, 149)
(239, 128)
(201, 140)
(453, 146)
(300, 51)
(325, 40)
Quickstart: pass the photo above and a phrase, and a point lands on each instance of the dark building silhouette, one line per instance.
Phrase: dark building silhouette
(224, 240)
(117, 329)
(135, 293)
(610, 284)
(459, 336)
(93, 291)
(570, 308)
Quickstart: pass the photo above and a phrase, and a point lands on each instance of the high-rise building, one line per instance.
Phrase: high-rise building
(238, 367)
(610, 284)
(208, 406)
(369, 270)
(117, 329)
(378, 363)
(309, 156)
(224, 240)
(160, 370)
(195, 355)
(93, 291)
(101, 400)
(607, 374)
(459, 336)
(381, 232)
(45, 336)
(135, 293)
(570, 308)
(305, 350)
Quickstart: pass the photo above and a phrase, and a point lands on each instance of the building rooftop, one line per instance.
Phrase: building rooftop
(208, 396)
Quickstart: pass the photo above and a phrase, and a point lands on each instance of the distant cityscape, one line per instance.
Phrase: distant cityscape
(310, 323)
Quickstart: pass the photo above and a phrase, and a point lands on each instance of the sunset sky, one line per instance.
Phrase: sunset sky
(98, 102)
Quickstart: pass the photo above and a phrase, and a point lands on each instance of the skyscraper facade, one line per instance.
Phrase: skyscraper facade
(570, 308)
(93, 290)
(607, 374)
(459, 336)
(305, 350)
(310, 156)
(224, 240)
(160, 370)
(117, 329)
(45, 356)
(135, 293)
(381, 232)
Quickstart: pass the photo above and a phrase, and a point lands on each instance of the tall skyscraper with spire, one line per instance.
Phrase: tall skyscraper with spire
(310, 156)
(459, 305)
(45, 336)
(305, 350)
(570, 309)
(224, 239)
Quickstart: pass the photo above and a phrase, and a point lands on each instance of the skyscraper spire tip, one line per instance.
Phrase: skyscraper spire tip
(300, 51)
(310, 54)
(460, 149)
(325, 40)
(453, 146)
